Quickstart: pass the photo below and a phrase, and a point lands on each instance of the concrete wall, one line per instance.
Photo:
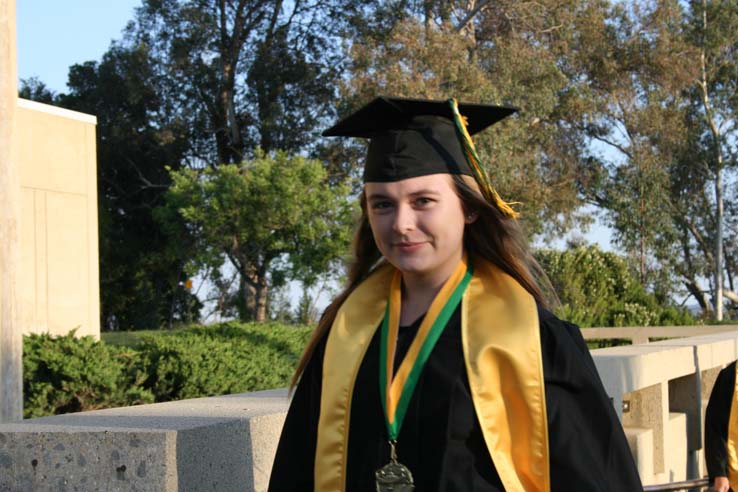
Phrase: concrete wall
(59, 241)
(219, 444)
(660, 391)
(228, 443)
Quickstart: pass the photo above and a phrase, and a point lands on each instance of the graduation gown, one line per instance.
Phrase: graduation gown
(717, 420)
(441, 441)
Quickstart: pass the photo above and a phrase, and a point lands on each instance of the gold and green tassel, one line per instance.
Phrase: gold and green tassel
(470, 153)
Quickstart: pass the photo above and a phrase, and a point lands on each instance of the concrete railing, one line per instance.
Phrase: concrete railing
(660, 391)
(227, 443)
(644, 334)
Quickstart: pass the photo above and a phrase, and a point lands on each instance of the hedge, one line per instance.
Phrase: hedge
(69, 374)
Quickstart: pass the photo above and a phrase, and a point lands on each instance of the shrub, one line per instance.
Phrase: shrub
(69, 374)
(596, 288)
(229, 358)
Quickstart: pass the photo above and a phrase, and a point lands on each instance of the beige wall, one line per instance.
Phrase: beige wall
(59, 244)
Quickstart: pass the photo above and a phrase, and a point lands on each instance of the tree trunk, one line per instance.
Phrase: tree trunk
(718, 170)
(247, 294)
(262, 291)
(261, 294)
(642, 244)
(11, 331)
(729, 269)
(700, 296)
(719, 243)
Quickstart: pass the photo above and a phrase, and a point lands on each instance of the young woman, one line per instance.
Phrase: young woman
(438, 367)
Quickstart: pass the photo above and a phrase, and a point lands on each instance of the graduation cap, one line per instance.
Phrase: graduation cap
(417, 137)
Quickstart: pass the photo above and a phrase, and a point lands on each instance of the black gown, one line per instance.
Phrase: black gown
(441, 441)
(717, 417)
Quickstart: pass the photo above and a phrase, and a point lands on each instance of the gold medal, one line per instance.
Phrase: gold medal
(394, 476)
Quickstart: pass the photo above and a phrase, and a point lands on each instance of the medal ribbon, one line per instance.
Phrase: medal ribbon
(396, 389)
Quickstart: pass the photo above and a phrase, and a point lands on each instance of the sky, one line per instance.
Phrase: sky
(54, 34)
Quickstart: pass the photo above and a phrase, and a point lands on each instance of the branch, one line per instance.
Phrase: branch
(730, 295)
(471, 15)
(142, 178)
(615, 145)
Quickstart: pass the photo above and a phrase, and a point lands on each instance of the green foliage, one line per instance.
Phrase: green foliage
(68, 374)
(141, 272)
(229, 358)
(273, 217)
(596, 288)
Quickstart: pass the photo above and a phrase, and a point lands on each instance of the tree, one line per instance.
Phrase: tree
(34, 89)
(241, 73)
(630, 62)
(271, 218)
(141, 278)
(497, 52)
(712, 27)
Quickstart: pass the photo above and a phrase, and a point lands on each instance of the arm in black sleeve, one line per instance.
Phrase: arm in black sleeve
(294, 462)
(587, 446)
(717, 417)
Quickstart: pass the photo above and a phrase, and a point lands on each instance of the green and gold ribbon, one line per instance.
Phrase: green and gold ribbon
(472, 158)
(396, 390)
(500, 336)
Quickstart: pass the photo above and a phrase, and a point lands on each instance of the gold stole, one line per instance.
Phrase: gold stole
(502, 350)
(733, 437)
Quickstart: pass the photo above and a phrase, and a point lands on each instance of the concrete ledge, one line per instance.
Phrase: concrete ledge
(643, 334)
(224, 443)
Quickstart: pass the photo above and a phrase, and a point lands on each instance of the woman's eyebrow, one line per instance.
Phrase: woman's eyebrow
(378, 196)
(382, 196)
(425, 191)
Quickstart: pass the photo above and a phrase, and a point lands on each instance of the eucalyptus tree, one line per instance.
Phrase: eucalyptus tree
(712, 27)
(505, 52)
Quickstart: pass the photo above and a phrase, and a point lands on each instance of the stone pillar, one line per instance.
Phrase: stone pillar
(648, 408)
(11, 338)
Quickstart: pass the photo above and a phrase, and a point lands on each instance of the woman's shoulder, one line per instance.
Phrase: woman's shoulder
(560, 333)
(549, 321)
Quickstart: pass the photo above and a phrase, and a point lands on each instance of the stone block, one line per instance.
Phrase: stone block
(640, 441)
(222, 443)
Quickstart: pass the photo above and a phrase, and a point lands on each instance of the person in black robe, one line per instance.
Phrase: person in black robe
(441, 440)
(717, 419)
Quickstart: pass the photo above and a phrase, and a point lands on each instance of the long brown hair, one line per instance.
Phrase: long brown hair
(492, 236)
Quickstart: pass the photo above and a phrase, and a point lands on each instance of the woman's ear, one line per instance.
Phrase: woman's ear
(470, 217)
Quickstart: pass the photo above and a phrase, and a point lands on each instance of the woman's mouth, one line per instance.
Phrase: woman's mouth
(409, 246)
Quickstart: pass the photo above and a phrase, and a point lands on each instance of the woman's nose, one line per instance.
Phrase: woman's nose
(404, 219)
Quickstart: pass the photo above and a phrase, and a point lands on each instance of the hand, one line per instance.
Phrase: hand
(721, 484)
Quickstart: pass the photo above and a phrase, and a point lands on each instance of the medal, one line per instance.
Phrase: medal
(394, 476)
(396, 389)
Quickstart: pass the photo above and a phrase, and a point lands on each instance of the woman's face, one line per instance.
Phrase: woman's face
(418, 224)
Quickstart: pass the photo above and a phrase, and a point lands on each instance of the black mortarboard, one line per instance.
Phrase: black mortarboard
(416, 137)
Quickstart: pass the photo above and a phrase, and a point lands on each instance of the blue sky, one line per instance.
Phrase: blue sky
(55, 34)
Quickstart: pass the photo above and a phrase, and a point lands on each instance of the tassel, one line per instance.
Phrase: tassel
(470, 153)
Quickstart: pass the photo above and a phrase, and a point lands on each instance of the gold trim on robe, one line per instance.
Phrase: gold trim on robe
(502, 351)
(733, 436)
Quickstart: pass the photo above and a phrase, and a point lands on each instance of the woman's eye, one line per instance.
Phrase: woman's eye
(423, 201)
(381, 205)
